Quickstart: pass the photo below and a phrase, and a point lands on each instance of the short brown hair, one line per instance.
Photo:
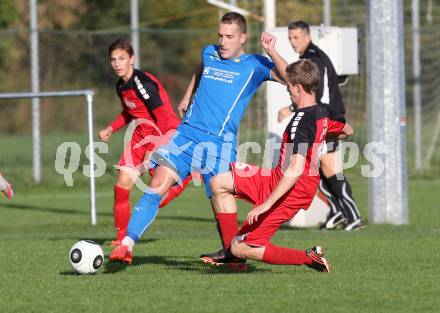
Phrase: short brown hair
(122, 44)
(237, 18)
(306, 73)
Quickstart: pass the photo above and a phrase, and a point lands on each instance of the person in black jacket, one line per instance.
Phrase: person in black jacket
(333, 184)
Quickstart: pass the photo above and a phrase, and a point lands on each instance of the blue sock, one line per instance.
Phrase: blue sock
(144, 213)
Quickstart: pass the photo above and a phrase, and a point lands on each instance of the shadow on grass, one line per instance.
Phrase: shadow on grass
(73, 211)
(73, 273)
(187, 264)
(104, 242)
(69, 273)
(286, 227)
(186, 218)
(52, 210)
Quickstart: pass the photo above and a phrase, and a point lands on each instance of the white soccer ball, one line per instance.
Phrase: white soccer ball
(86, 257)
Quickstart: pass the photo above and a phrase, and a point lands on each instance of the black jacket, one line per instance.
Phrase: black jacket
(328, 89)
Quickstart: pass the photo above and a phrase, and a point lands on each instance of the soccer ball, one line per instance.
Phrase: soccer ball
(86, 257)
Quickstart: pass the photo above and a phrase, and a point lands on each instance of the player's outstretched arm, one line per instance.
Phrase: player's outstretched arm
(289, 179)
(123, 119)
(268, 43)
(336, 130)
(346, 131)
(183, 105)
(190, 89)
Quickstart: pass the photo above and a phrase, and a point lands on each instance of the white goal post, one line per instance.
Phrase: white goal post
(68, 93)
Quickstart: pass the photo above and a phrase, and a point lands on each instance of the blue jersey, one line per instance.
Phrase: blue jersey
(224, 90)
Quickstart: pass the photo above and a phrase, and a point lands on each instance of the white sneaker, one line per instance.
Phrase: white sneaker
(334, 221)
(356, 224)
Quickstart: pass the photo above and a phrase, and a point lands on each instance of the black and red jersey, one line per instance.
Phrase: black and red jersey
(305, 135)
(144, 97)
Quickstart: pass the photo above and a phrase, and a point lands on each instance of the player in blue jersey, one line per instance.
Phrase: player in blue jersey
(205, 141)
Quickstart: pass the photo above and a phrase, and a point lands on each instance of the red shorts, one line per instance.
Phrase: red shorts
(255, 184)
(140, 144)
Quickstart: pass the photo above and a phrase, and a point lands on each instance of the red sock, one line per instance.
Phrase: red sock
(227, 227)
(121, 211)
(174, 192)
(281, 255)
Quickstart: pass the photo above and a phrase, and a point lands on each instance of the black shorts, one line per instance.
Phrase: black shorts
(332, 144)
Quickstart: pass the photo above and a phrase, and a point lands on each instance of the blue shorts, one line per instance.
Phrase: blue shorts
(193, 150)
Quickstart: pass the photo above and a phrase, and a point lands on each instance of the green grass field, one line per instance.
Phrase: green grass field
(381, 268)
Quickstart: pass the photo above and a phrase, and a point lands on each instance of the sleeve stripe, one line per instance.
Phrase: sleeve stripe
(326, 91)
(295, 123)
(141, 88)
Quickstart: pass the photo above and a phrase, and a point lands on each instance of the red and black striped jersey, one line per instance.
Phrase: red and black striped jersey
(305, 134)
(144, 97)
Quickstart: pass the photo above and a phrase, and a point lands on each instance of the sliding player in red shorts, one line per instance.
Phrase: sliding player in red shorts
(145, 101)
(279, 193)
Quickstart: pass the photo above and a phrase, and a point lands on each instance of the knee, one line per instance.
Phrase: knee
(161, 181)
(216, 186)
(124, 181)
(221, 184)
(157, 181)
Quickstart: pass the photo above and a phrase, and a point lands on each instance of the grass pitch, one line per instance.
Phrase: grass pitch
(381, 268)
